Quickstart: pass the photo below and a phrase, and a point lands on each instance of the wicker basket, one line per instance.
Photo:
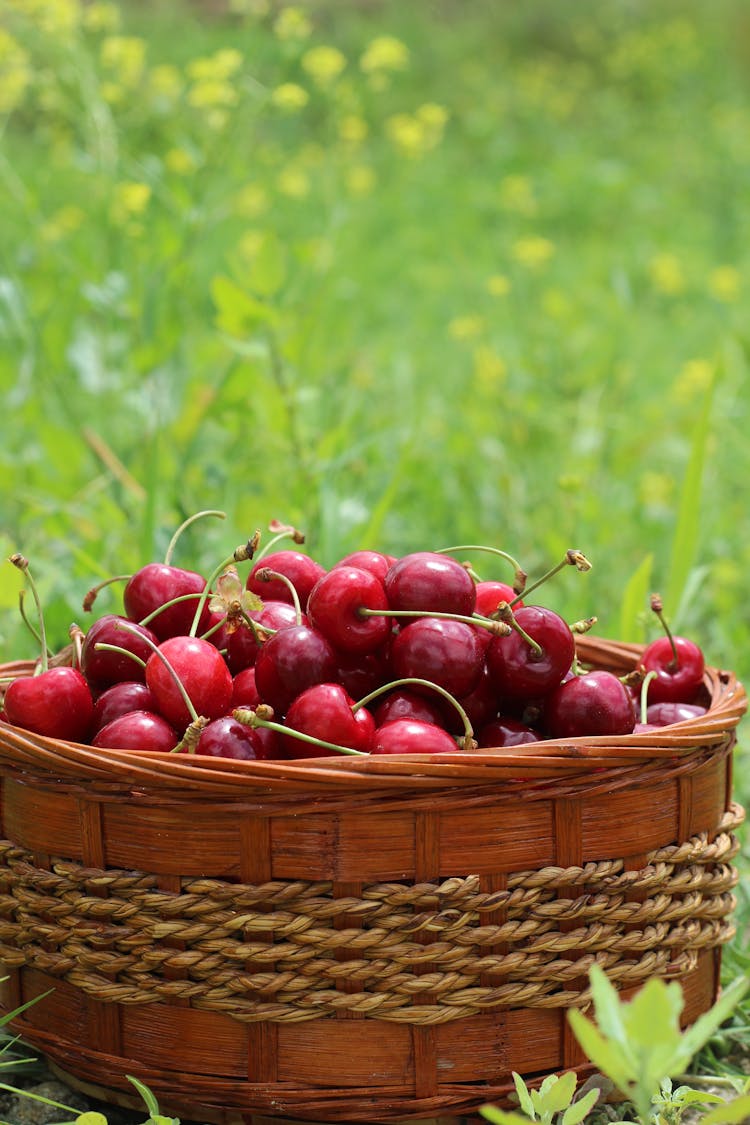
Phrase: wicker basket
(363, 939)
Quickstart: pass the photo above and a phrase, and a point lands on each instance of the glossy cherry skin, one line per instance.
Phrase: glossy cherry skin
(156, 584)
(404, 704)
(518, 671)
(334, 608)
(377, 563)
(137, 730)
(505, 732)
(410, 736)
(595, 703)
(226, 737)
(103, 668)
(56, 703)
(362, 672)
(324, 711)
(293, 659)
(480, 704)
(242, 646)
(447, 653)
(674, 683)
(201, 671)
(128, 695)
(245, 690)
(301, 570)
(491, 594)
(430, 583)
(665, 714)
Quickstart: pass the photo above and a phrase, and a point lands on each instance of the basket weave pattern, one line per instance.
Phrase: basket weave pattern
(358, 940)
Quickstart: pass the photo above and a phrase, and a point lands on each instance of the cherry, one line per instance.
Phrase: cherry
(202, 672)
(362, 672)
(243, 645)
(324, 711)
(665, 714)
(104, 667)
(446, 652)
(480, 704)
(291, 660)
(679, 665)
(301, 570)
(491, 594)
(533, 663)
(125, 696)
(377, 563)
(334, 608)
(504, 731)
(430, 583)
(411, 736)
(137, 730)
(244, 689)
(404, 704)
(158, 583)
(595, 703)
(225, 737)
(56, 703)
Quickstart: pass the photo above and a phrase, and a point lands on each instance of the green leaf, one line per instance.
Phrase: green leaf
(731, 1113)
(576, 1112)
(608, 1007)
(606, 1055)
(558, 1094)
(696, 1036)
(237, 313)
(652, 1027)
(502, 1116)
(634, 600)
(148, 1097)
(523, 1095)
(268, 271)
(91, 1117)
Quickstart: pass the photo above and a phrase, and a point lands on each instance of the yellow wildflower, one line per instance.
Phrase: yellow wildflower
(165, 81)
(323, 64)
(517, 194)
(100, 16)
(666, 274)
(498, 285)
(290, 96)
(58, 18)
(251, 200)
(490, 369)
(124, 56)
(180, 161)
(432, 115)
(724, 283)
(385, 52)
(65, 221)
(292, 23)
(693, 379)
(211, 94)
(249, 244)
(293, 182)
(15, 72)
(466, 327)
(556, 304)
(360, 179)
(129, 200)
(353, 129)
(533, 251)
(218, 67)
(407, 133)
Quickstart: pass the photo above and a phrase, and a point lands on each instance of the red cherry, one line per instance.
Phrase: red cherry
(362, 672)
(137, 730)
(594, 703)
(156, 584)
(225, 737)
(242, 646)
(491, 594)
(245, 690)
(201, 671)
(334, 608)
(301, 570)
(374, 561)
(101, 667)
(523, 672)
(430, 583)
(324, 711)
(128, 695)
(504, 731)
(291, 660)
(404, 704)
(665, 714)
(446, 652)
(410, 736)
(677, 680)
(56, 703)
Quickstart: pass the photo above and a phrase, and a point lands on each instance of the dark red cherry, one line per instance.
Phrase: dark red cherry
(242, 645)
(446, 652)
(677, 681)
(137, 730)
(324, 711)
(291, 660)
(128, 695)
(377, 563)
(156, 584)
(491, 594)
(101, 667)
(203, 674)
(362, 672)
(504, 731)
(245, 690)
(404, 704)
(410, 736)
(595, 703)
(430, 583)
(334, 607)
(521, 671)
(301, 570)
(56, 703)
(225, 737)
(665, 714)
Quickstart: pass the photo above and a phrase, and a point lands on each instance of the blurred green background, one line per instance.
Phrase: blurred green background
(403, 275)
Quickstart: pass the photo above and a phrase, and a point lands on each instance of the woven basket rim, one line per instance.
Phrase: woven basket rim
(24, 751)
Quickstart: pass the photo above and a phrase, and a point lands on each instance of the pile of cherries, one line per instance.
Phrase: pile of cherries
(375, 655)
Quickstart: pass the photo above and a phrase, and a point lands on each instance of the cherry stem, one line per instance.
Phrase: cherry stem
(145, 621)
(103, 646)
(90, 597)
(185, 524)
(129, 628)
(76, 634)
(265, 574)
(189, 742)
(496, 627)
(658, 607)
(252, 719)
(468, 742)
(284, 531)
(214, 629)
(242, 553)
(505, 614)
(583, 626)
(573, 557)
(519, 577)
(32, 629)
(23, 565)
(644, 694)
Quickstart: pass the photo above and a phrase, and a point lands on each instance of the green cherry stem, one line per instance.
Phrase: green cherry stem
(644, 694)
(90, 596)
(573, 557)
(127, 627)
(505, 615)
(252, 719)
(76, 634)
(22, 564)
(496, 627)
(283, 531)
(184, 525)
(240, 554)
(103, 646)
(145, 621)
(265, 574)
(468, 743)
(29, 625)
(519, 577)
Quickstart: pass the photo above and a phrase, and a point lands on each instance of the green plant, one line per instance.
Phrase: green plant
(555, 1100)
